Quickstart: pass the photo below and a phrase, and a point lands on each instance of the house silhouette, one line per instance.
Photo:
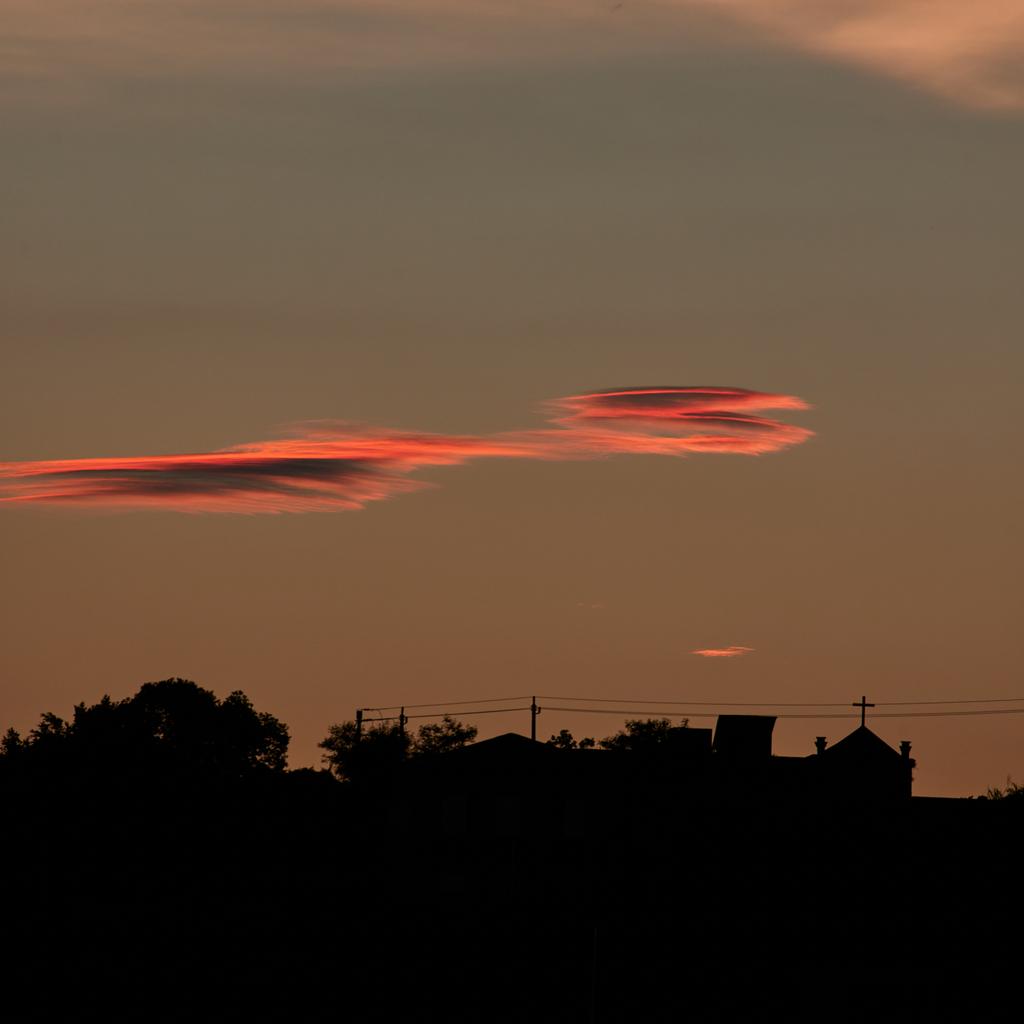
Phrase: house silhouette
(512, 786)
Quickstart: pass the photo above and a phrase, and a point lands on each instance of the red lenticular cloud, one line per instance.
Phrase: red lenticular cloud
(723, 652)
(326, 466)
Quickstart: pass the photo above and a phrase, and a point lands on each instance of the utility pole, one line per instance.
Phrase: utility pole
(534, 712)
(359, 724)
(401, 721)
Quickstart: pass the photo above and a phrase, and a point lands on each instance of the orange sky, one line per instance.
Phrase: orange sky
(407, 228)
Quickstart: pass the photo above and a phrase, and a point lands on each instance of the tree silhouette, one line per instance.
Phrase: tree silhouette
(12, 744)
(645, 735)
(442, 737)
(565, 740)
(382, 746)
(642, 735)
(353, 755)
(171, 728)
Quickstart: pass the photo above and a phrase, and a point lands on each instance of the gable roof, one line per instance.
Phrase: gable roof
(861, 744)
(507, 745)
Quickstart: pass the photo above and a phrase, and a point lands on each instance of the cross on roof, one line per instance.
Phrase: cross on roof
(863, 705)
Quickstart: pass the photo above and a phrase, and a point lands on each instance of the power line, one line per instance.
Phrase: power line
(776, 704)
(630, 711)
(986, 700)
(709, 714)
(689, 703)
(662, 707)
(452, 703)
(706, 714)
(475, 711)
(947, 714)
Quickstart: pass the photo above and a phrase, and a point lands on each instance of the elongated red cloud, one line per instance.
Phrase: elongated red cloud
(735, 651)
(328, 466)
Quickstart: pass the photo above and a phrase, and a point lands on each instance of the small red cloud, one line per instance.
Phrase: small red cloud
(735, 651)
(327, 466)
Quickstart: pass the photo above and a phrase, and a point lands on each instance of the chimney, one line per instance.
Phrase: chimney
(819, 744)
(908, 768)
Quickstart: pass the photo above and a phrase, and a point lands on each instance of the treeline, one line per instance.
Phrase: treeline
(176, 731)
(171, 729)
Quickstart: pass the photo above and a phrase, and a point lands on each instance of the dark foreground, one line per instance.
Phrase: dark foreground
(295, 896)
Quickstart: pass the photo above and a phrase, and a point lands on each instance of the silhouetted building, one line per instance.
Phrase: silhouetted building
(744, 737)
(863, 767)
(511, 786)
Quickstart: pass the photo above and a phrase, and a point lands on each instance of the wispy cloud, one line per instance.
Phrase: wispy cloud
(55, 40)
(326, 466)
(735, 651)
(969, 52)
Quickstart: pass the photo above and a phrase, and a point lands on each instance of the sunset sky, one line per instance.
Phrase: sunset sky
(366, 353)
